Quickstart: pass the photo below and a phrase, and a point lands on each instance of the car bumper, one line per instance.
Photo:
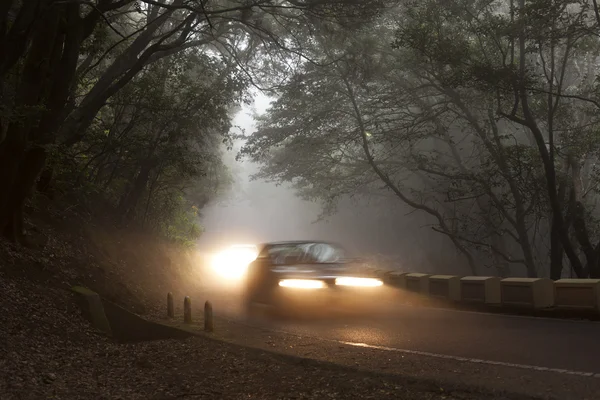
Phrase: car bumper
(316, 301)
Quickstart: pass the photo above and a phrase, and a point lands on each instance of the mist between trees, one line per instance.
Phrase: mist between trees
(127, 104)
(480, 115)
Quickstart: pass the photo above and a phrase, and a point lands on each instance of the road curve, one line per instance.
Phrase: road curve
(539, 342)
(551, 358)
(536, 342)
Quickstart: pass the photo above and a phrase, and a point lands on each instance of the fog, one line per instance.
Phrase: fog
(259, 211)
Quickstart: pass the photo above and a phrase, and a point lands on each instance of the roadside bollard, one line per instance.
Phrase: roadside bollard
(187, 310)
(170, 308)
(208, 317)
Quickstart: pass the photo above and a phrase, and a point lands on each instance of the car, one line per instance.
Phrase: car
(307, 276)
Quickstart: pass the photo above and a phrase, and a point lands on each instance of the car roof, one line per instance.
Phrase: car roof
(262, 246)
(296, 242)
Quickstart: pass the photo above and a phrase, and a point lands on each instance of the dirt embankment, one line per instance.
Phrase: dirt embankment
(126, 265)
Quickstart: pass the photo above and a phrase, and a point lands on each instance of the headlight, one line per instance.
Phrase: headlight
(302, 283)
(232, 263)
(362, 282)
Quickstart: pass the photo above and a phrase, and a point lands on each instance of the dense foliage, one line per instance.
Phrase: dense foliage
(130, 101)
(481, 114)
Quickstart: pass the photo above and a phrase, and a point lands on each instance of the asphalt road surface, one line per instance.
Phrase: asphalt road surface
(557, 344)
(535, 342)
(547, 355)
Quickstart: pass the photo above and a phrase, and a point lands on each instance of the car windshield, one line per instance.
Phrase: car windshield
(306, 253)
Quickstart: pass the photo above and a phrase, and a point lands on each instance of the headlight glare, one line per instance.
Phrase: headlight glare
(233, 262)
(302, 283)
(362, 282)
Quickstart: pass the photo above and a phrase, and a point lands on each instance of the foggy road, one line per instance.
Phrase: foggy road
(533, 343)
(544, 343)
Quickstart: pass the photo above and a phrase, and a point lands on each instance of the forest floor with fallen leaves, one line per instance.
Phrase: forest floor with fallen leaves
(48, 351)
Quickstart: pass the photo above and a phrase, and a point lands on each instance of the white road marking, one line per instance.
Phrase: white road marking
(434, 355)
(473, 360)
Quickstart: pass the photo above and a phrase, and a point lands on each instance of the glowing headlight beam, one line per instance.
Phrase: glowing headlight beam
(302, 283)
(362, 282)
(232, 263)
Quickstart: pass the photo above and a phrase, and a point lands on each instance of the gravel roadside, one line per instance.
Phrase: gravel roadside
(48, 351)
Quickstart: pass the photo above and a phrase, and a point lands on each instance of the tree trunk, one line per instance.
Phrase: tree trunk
(14, 230)
(63, 76)
(13, 43)
(5, 7)
(45, 183)
(11, 154)
(578, 216)
(28, 171)
(502, 266)
(131, 200)
(15, 173)
(556, 252)
(556, 249)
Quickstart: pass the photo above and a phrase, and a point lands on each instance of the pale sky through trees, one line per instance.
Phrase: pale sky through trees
(255, 211)
(258, 211)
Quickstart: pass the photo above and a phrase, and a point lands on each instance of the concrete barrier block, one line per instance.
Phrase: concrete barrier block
(417, 283)
(527, 292)
(480, 289)
(445, 286)
(581, 294)
(396, 279)
(93, 309)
